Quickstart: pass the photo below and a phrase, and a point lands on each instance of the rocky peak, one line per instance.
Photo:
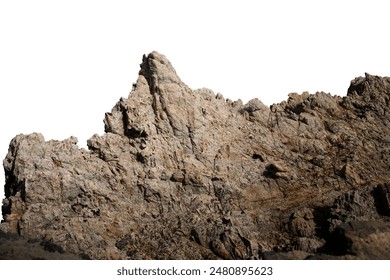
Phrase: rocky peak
(186, 174)
(151, 106)
(369, 86)
(158, 71)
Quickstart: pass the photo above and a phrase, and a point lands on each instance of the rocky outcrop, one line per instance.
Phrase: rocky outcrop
(186, 174)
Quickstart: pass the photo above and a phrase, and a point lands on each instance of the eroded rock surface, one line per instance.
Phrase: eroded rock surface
(186, 174)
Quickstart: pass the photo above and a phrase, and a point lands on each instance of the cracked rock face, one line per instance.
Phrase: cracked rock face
(186, 174)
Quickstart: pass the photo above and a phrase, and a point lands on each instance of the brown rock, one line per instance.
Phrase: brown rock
(186, 174)
(363, 240)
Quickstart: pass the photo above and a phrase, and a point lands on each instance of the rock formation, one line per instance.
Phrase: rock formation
(186, 174)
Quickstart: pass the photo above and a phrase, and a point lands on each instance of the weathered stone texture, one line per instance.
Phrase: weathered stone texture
(186, 174)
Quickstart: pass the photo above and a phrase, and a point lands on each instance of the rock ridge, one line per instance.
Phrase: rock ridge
(186, 174)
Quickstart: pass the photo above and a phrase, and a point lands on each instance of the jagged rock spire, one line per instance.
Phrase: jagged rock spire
(158, 70)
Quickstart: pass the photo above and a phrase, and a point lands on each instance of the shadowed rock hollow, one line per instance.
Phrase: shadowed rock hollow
(186, 174)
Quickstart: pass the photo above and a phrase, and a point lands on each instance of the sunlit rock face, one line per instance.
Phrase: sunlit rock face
(186, 174)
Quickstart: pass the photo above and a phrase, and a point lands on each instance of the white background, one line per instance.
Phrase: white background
(63, 64)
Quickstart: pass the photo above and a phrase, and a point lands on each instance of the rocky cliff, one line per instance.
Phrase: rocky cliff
(186, 174)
